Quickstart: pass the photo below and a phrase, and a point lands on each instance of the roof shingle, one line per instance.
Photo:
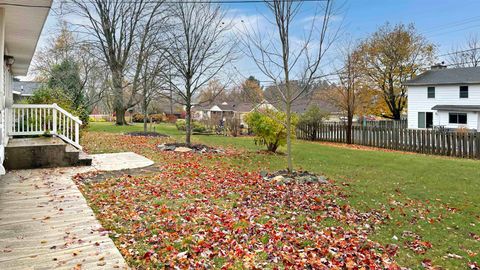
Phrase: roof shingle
(470, 75)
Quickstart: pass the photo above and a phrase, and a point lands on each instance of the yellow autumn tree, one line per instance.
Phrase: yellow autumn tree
(391, 56)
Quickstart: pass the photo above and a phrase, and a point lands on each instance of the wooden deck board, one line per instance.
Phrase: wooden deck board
(45, 223)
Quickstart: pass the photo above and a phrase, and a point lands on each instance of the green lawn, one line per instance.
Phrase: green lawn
(436, 198)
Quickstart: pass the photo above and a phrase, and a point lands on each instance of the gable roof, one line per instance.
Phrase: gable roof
(25, 88)
(301, 105)
(470, 75)
(241, 107)
(244, 107)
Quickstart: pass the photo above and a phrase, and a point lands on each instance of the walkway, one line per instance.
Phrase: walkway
(46, 223)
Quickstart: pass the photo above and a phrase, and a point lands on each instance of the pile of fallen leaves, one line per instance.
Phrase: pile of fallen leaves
(197, 214)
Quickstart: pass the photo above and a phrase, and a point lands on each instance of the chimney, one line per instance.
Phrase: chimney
(438, 66)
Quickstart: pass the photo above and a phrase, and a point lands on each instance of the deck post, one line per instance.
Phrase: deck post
(54, 124)
(77, 135)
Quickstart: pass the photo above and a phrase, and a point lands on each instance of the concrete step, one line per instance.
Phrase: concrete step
(78, 157)
(42, 152)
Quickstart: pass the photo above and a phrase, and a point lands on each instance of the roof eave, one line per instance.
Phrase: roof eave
(22, 36)
(447, 83)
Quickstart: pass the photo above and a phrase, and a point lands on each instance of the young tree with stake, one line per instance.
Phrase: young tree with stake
(292, 68)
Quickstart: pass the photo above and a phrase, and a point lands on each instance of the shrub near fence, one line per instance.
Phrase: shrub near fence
(464, 144)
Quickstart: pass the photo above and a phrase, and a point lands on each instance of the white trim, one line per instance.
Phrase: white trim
(39, 119)
(26, 106)
(76, 119)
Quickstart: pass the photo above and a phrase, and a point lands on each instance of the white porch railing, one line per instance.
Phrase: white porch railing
(39, 119)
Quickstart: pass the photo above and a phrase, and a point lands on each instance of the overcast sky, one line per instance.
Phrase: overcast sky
(446, 23)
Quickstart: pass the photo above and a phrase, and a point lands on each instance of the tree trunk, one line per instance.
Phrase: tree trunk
(349, 128)
(118, 98)
(188, 126)
(289, 137)
(397, 114)
(145, 112)
(188, 109)
(120, 116)
(145, 122)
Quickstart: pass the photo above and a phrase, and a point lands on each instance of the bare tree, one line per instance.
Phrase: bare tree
(62, 45)
(291, 67)
(152, 81)
(65, 45)
(467, 55)
(114, 27)
(348, 94)
(198, 49)
(214, 91)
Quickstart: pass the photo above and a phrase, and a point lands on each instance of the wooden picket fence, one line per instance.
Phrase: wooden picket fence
(383, 123)
(463, 144)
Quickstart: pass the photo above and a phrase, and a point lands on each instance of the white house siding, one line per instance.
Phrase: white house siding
(444, 95)
(4, 92)
(442, 120)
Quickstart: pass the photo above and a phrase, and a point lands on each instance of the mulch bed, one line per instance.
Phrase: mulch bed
(147, 134)
(286, 177)
(197, 148)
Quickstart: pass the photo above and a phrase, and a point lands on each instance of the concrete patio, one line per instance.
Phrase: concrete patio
(46, 223)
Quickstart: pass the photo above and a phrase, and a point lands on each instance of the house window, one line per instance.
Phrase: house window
(457, 118)
(431, 92)
(421, 120)
(464, 91)
(425, 119)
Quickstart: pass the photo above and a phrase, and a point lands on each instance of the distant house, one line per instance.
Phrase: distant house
(225, 110)
(24, 89)
(307, 100)
(445, 97)
(302, 105)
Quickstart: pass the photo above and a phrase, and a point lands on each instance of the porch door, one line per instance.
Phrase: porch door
(425, 119)
(429, 119)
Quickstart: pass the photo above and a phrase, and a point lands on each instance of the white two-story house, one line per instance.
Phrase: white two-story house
(445, 97)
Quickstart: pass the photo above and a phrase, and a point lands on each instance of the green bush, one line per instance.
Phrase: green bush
(196, 126)
(310, 120)
(269, 129)
(98, 119)
(46, 95)
(181, 124)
